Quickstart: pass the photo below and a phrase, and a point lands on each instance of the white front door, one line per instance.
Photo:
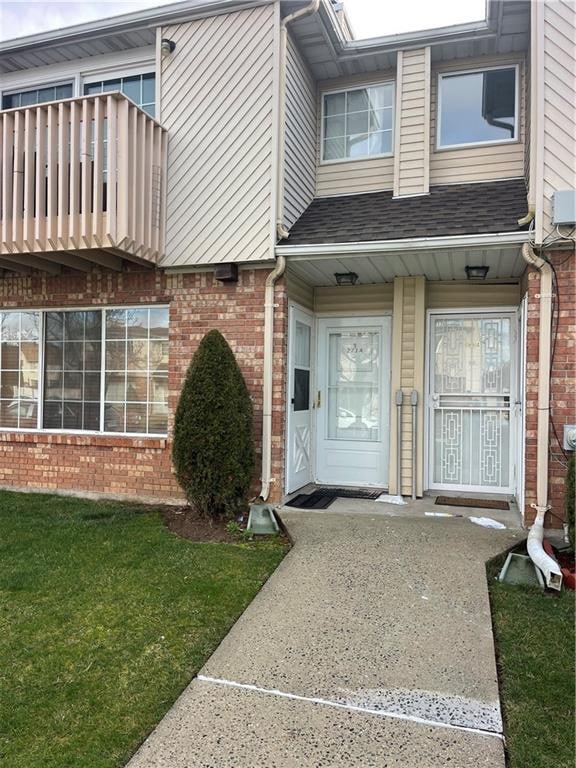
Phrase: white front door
(471, 396)
(353, 401)
(298, 464)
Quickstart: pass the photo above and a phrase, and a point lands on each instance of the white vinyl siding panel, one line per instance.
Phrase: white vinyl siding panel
(478, 163)
(559, 102)
(413, 123)
(352, 177)
(300, 136)
(456, 295)
(217, 100)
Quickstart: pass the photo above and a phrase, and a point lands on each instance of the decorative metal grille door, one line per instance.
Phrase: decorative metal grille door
(472, 376)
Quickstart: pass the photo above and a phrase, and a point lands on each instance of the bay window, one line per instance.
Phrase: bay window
(89, 370)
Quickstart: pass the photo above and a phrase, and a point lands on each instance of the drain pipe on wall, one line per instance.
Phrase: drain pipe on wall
(278, 271)
(541, 560)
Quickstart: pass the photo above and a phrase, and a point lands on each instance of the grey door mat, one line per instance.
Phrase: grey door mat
(451, 501)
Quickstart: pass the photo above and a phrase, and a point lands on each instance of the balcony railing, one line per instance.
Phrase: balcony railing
(82, 176)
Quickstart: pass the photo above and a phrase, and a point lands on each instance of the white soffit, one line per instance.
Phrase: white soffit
(447, 264)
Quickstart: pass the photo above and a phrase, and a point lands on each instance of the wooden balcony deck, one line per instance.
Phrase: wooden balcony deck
(83, 183)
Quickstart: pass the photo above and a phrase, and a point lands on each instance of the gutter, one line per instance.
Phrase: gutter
(278, 271)
(300, 252)
(541, 560)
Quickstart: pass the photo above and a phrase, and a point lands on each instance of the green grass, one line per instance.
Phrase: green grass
(104, 618)
(535, 643)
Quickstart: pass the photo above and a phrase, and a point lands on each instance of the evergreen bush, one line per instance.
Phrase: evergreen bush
(213, 450)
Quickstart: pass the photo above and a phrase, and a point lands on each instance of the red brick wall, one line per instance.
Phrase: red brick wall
(134, 467)
(563, 384)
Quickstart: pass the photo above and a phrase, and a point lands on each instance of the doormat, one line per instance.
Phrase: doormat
(322, 499)
(477, 503)
(316, 500)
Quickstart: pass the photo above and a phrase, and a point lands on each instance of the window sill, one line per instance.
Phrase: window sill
(476, 145)
(110, 441)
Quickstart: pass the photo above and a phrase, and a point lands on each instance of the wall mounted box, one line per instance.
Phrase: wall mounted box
(564, 207)
(226, 273)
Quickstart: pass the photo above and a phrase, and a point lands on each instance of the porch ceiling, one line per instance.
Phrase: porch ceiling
(447, 264)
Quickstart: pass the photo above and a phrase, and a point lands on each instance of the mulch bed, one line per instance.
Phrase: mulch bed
(186, 522)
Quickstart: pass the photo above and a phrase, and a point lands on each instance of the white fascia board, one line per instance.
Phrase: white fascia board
(329, 250)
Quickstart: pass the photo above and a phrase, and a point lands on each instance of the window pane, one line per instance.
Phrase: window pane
(477, 107)
(131, 88)
(158, 355)
(334, 149)
(357, 101)
(114, 417)
(357, 146)
(112, 85)
(64, 91)
(357, 122)
(159, 322)
(19, 332)
(137, 323)
(148, 88)
(116, 324)
(381, 96)
(380, 142)
(334, 126)
(381, 119)
(301, 389)
(157, 418)
(91, 88)
(68, 357)
(136, 418)
(335, 104)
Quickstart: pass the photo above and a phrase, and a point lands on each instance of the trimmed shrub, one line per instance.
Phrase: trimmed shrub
(213, 450)
(571, 497)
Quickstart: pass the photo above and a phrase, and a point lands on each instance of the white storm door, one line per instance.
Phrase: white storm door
(470, 403)
(353, 401)
(298, 463)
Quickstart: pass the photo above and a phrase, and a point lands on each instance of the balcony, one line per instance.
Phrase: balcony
(83, 184)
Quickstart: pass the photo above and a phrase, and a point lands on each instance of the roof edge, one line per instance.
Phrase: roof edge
(144, 18)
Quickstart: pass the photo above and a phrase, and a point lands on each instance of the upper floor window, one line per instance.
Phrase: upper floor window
(357, 123)
(478, 107)
(141, 89)
(41, 95)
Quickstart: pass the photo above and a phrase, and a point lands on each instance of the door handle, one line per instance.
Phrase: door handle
(318, 400)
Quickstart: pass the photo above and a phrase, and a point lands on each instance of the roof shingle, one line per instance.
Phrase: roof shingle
(455, 209)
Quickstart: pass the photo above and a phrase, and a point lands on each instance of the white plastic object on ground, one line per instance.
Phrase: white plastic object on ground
(387, 499)
(486, 522)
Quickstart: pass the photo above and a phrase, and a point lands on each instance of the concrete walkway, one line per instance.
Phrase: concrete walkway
(371, 647)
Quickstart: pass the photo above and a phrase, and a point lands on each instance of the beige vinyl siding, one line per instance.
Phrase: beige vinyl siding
(359, 299)
(481, 163)
(352, 176)
(220, 188)
(408, 330)
(300, 136)
(299, 291)
(559, 102)
(411, 169)
(455, 295)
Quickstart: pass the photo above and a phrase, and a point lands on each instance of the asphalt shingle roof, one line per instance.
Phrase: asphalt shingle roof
(455, 209)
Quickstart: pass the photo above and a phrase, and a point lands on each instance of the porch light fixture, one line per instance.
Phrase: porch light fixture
(167, 46)
(476, 273)
(346, 278)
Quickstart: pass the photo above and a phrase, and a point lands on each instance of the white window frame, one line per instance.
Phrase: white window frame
(485, 143)
(43, 311)
(349, 90)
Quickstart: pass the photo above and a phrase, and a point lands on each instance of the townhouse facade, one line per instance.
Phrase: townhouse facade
(382, 229)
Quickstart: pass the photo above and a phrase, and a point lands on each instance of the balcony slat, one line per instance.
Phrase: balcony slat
(18, 181)
(123, 180)
(29, 160)
(98, 171)
(52, 176)
(40, 185)
(75, 174)
(86, 201)
(63, 172)
(112, 116)
(7, 178)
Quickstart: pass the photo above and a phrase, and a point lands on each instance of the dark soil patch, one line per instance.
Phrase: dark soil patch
(189, 524)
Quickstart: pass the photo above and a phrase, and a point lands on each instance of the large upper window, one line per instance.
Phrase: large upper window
(477, 107)
(357, 123)
(140, 89)
(37, 96)
(98, 370)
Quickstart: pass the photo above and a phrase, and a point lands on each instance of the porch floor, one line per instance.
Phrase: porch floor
(425, 507)
(370, 645)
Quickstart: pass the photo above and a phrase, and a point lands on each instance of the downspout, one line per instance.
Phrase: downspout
(541, 560)
(280, 266)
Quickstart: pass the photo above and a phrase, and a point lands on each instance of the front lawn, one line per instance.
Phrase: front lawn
(104, 618)
(535, 643)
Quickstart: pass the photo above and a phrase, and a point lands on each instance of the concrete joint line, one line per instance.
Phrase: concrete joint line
(348, 707)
